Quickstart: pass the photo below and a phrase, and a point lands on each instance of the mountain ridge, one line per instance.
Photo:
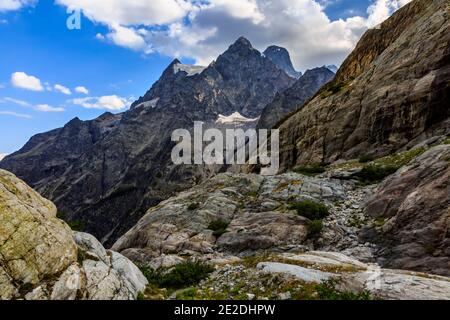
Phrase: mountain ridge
(120, 165)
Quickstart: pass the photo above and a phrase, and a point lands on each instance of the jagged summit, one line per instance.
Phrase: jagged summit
(242, 41)
(281, 57)
(170, 69)
(241, 49)
(175, 61)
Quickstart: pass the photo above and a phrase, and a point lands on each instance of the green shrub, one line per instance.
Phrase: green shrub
(336, 87)
(153, 276)
(81, 256)
(375, 173)
(219, 227)
(193, 206)
(310, 170)
(315, 228)
(366, 158)
(75, 225)
(61, 215)
(188, 294)
(400, 159)
(140, 296)
(327, 291)
(181, 276)
(310, 209)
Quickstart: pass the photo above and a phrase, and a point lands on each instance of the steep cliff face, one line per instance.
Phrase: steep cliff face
(107, 172)
(414, 207)
(294, 97)
(392, 89)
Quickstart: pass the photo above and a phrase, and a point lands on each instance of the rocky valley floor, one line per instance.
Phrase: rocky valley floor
(346, 231)
(310, 234)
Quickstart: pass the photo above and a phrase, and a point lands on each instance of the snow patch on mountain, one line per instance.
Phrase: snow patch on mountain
(234, 118)
(189, 69)
(332, 68)
(149, 104)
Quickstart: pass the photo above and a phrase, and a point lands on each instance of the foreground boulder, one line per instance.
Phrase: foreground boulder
(41, 259)
(413, 209)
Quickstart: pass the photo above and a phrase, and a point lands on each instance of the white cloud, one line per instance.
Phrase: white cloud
(62, 89)
(24, 81)
(15, 114)
(382, 9)
(136, 12)
(15, 101)
(39, 107)
(47, 108)
(113, 102)
(126, 37)
(2, 155)
(240, 9)
(11, 5)
(82, 90)
(299, 25)
(203, 29)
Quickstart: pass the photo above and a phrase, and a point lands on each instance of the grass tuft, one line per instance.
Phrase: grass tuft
(181, 276)
(219, 227)
(311, 170)
(310, 209)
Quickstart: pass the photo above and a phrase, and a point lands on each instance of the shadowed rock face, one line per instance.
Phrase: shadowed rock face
(294, 97)
(392, 89)
(109, 171)
(415, 207)
(281, 57)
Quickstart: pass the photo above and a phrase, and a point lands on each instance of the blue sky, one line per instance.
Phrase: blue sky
(119, 55)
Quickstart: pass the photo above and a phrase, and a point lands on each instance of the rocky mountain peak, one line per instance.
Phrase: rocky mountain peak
(239, 50)
(282, 59)
(170, 70)
(242, 42)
